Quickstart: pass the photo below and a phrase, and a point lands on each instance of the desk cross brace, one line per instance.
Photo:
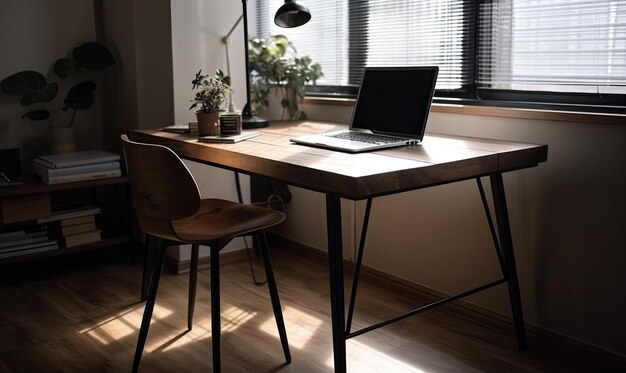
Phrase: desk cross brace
(505, 259)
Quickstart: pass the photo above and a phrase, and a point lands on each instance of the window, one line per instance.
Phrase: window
(555, 53)
(559, 51)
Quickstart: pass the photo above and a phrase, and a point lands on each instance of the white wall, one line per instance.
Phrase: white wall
(33, 35)
(567, 215)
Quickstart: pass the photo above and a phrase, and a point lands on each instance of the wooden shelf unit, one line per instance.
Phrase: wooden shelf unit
(22, 205)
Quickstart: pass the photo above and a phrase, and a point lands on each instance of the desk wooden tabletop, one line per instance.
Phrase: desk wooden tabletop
(438, 159)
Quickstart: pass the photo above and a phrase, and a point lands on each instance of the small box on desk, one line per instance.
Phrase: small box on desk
(230, 124)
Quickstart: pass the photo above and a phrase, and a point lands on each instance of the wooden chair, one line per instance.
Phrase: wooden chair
(168, 207)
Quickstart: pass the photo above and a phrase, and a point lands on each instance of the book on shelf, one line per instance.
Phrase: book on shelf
(27, 238)
(70, 213)
(22, 232)
(11, 235)
(43, 170)
(230, 139)
(29, 245)
(34, 248)
(77, 228)
(82, 238)
(80, 158)
(91, 218)
(80, 177)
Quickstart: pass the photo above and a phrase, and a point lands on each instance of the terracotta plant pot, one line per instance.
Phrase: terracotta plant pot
(208, 123)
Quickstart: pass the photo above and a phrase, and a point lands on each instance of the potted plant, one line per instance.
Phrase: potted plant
(34, 89)
(209, 100)
(274, 63)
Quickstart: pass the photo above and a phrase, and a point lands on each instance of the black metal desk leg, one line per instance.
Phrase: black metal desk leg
(506, 244)
(335, 262)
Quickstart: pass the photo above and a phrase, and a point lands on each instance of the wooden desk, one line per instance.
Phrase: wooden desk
(438, 160)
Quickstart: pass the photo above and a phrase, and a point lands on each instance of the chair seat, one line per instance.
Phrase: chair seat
(218, 220)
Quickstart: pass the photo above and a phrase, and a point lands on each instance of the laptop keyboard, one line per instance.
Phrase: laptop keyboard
(364, 137)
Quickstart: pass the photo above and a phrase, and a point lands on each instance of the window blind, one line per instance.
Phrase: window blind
(564, 53)
(553, 46)
(344, 36)
(324, 37)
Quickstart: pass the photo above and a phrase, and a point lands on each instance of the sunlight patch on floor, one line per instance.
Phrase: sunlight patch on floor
(234, 317)
(122, 325)
(365, 359)
(300, 327)
(178, 339)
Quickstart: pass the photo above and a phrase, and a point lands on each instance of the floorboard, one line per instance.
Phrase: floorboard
(81, 313)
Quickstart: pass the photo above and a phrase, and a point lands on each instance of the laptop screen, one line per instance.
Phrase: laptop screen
(395, 100)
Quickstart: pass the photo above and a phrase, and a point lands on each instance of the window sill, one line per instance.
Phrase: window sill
(537, 114)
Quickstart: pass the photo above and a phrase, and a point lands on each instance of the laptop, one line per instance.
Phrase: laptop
(391, 110)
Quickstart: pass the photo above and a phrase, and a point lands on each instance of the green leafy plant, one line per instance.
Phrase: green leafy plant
(211, 91)
(33, 88)
(274, 62)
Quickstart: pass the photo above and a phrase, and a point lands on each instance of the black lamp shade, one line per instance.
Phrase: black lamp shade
(292, 14)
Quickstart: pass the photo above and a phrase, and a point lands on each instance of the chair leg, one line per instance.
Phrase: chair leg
(149, 250)
(215, 307)
(193, 279)
(147, 313)
(271, 284)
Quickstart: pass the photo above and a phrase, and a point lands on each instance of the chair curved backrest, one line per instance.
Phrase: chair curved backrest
(162, 187)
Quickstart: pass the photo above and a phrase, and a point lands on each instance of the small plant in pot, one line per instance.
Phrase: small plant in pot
(209, 100)
(275, 65)
(34, 89)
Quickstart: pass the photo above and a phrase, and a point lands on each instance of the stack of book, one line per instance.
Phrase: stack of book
(26, 241)
(80, 230)
(78, 225)
(77, 166)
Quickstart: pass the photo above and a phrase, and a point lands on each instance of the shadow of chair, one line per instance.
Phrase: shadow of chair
(169, 208)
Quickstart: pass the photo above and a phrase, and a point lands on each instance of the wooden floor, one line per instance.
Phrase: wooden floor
(81, 313)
